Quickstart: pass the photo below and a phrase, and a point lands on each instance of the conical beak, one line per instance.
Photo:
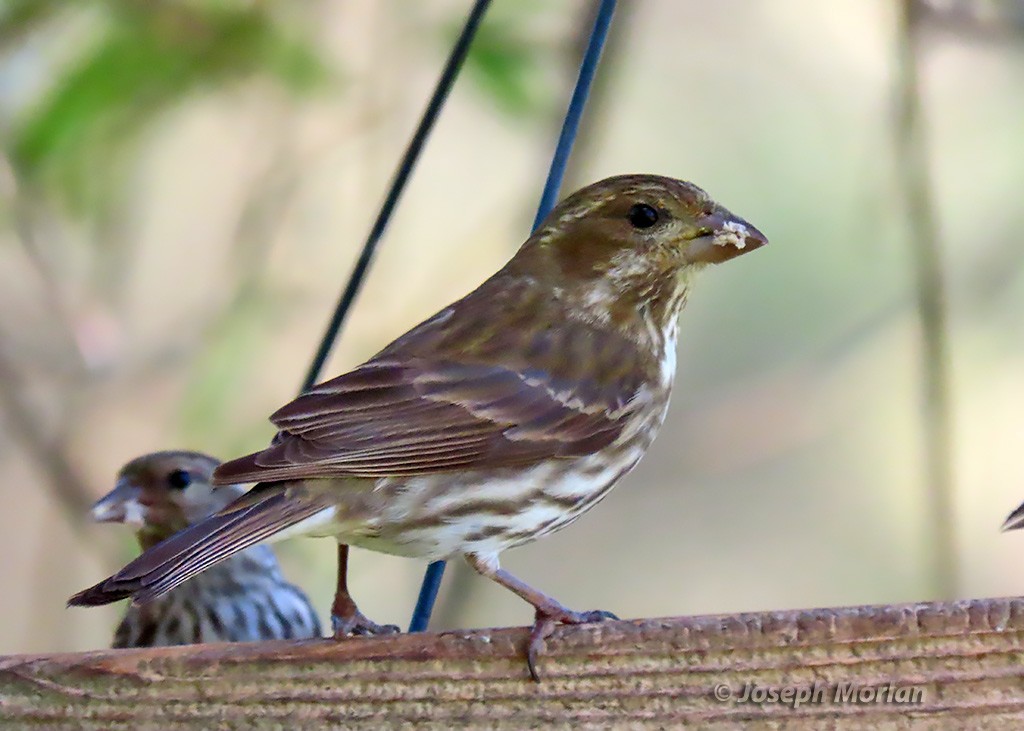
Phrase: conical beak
(727, 236)
(123, 504)
(1014, 520)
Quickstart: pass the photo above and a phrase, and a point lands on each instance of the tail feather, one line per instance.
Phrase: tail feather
(265, 510)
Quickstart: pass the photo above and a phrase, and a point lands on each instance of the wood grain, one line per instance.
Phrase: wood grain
(949, 665)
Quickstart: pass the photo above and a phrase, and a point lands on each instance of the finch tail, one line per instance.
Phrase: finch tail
(264, 511)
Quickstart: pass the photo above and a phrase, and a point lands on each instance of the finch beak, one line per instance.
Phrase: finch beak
(725, 237)
(1014, 520)
(121, 505)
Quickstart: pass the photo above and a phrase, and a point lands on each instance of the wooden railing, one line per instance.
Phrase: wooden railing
(931, 665)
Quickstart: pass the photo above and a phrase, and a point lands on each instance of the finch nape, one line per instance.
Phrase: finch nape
(242, 599)
(501, 419)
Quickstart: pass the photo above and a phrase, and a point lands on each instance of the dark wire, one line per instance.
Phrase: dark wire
(405, 168)
(588, 68)
(571, 125)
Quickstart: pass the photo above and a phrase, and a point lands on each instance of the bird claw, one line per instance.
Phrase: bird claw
(357, 625)
(544, 624)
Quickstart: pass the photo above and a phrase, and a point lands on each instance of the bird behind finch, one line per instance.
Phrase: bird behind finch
(242, 598)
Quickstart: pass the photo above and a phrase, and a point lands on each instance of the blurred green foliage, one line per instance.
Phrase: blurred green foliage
(146, 57)
(503, 67)
(506, 61)
(21, 17)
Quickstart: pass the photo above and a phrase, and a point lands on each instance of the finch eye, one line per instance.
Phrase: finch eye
(179, 479)
(642, 215)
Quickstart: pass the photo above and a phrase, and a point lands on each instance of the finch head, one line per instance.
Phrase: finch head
(163, 492)
(629, 241)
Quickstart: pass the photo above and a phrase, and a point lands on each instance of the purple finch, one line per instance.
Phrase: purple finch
(501, 419)
(243, 598)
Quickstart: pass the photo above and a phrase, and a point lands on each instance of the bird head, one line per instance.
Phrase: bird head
(163, 492)
(632, 241)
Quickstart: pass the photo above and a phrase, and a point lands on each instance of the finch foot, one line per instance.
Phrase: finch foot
(549, 612)
(544, 625)
(346, 619)
(355, 624)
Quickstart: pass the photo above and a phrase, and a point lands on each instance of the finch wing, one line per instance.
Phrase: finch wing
(392, 417)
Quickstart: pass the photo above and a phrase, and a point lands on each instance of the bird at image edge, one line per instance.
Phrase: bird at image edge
(501, 419)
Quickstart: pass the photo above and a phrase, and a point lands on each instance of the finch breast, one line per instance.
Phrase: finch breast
(488, 511)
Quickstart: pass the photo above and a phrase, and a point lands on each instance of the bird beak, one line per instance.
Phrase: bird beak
(123, 504)
(1014, 520)
(724, 236)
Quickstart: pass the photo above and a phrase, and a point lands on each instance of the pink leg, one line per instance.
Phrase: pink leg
(548, 611)
(346, 619)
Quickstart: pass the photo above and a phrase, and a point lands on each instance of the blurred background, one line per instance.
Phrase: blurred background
(185, 185)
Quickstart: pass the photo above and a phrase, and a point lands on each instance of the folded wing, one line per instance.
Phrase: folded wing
(389, 418)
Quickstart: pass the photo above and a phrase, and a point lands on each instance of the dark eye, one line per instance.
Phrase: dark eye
(179, 479)
(642, 215)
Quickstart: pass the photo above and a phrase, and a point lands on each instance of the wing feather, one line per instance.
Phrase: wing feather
(406, 418)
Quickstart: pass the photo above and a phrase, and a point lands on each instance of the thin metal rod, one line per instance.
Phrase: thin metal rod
(588, 68)
(428, 595)
(401, 177)
(571, 125)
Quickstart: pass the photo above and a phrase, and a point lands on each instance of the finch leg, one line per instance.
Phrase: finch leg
(346, 619)
(548, 611)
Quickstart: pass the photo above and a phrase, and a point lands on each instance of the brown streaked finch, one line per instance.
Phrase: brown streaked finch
(242, 599)
(501, 419)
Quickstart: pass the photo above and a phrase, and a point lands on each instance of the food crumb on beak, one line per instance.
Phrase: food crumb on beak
(134, 513)
(731, 234)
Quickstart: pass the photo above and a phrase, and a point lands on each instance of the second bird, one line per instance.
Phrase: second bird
(501, 419)
(243, 598)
